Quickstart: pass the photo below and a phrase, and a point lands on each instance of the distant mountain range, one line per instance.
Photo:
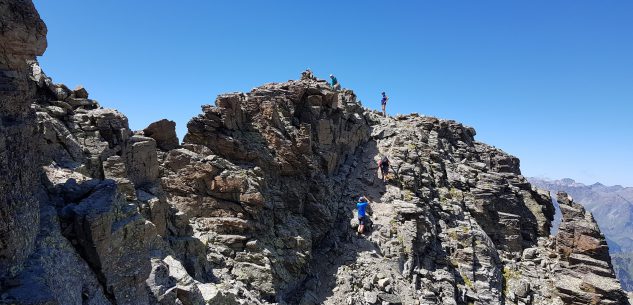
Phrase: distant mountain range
(612, 207)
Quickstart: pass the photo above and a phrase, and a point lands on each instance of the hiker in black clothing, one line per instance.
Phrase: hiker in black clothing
(384, 167)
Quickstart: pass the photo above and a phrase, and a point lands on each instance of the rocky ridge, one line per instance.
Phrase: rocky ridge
(254, 206)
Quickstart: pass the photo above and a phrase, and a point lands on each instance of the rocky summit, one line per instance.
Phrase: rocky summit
(257, 204)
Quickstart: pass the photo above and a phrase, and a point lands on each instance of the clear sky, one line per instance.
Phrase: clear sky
(548, 81)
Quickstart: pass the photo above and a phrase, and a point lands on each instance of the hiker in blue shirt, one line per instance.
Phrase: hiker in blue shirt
(383, 102)
(335, 85)
(361, 206)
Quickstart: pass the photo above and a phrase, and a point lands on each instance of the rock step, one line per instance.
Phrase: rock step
(576, 258)
(593, 269)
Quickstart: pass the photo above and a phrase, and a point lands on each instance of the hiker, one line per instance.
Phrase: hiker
(383, 102)
(383, 164)
(361, 206)
(335, 84)
(307, 75)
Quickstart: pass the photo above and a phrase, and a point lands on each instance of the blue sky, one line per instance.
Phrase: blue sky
(548, 81)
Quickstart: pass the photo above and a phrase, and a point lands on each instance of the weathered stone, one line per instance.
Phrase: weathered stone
(371, 297)
(82, 103)
(80, 92)
(590, 275)
(161, 285)
(212, 294)
(141, 160)
(113, 238)
(56, 111)
(382, 283)
(530, 253)
(164, 132)
(578, 232)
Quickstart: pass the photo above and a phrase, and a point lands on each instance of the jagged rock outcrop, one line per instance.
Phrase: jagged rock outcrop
(258, 181)
(588, 276)
(612, 207)
(572, 267)
(254, 206)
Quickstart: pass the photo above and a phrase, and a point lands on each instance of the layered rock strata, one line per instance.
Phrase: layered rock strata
(22, 37)
(586, 275)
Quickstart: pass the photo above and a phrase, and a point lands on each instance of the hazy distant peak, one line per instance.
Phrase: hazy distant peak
(567, 181)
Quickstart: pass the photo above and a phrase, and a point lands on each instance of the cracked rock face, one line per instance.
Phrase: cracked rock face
(22, 37)
(257, 204)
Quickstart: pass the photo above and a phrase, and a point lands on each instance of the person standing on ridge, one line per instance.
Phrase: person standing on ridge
(335, 84)
(361, 206)
(383, 102)
(383, 164)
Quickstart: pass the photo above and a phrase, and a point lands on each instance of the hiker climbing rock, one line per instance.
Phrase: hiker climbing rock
(335, 84)
(307, 75)
(383, 164)
(361, 206)
(383, 102)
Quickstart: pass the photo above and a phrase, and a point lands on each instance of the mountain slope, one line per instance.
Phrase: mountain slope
(256, 206)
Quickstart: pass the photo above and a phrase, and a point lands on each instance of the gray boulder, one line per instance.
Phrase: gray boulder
(164, 132)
